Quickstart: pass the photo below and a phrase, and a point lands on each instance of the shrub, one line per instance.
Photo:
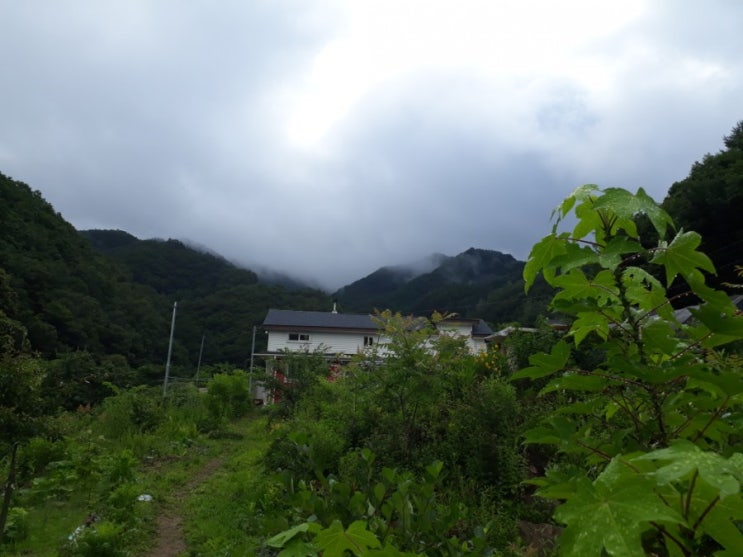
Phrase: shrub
(37, 454)
(119, 467)
(483, 435)
(121, 503)
(16, 526)
(101, 539)
(228, 396)
(137, 410)
(651, 461)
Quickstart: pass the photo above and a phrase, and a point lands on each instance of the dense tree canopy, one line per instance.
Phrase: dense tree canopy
(476, 283)
(709, 201)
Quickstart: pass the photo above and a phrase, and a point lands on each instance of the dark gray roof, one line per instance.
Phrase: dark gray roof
(318, 319)
(328, 320)
(481, 329)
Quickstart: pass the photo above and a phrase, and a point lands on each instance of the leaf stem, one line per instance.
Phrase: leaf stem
(632, 416)
(706, 512)
(612, 377)
(674, 539)
(692, 485)
(594, 450)
(713, 419)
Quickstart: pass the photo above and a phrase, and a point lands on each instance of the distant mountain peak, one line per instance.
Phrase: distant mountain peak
(436, 282)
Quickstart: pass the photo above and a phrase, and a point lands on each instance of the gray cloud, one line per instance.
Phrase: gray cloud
(431, 134)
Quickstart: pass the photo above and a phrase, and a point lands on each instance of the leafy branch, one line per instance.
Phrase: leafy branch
(660, 389)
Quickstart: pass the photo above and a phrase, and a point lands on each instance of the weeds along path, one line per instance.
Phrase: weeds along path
(237, 455)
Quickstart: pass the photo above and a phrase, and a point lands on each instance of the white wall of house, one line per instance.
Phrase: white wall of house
(477, 345)
(345, 342)
(328, 342)
(464, 330)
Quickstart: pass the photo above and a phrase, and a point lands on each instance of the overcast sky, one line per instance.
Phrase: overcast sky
(327, 139)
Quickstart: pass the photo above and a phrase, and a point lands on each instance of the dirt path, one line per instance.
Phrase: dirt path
(169, 541)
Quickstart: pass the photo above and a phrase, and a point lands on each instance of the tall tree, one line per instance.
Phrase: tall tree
(21, 408)
(708, 201)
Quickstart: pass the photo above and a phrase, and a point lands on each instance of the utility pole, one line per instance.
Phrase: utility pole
(198, 365)
(250, 373)
(170, 351)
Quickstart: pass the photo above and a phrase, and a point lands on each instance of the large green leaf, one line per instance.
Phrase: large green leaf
(280, 539)
(646, 292)
(627, 205)
(576, 382)
(590, 322)
(715, 298)
(545, 364)
(685, 458)
(575, 256)
(719, 323)
(681, 256)
(611, 514)
(589, 221)
(575, 286)
(297, 547)
(611, 255)
(581, 193)
(334, 541)
(661, 340)
(725, 383)
(559, 430)
(541, 257)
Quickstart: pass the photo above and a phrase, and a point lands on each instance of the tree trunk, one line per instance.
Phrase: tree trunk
(9, 485)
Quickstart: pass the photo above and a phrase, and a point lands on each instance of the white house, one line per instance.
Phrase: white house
(474, 331)
(341, 336)
(335, 334)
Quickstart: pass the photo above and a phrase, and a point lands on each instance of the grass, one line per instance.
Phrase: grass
(226, 514)
(48, 527)
(217, 509)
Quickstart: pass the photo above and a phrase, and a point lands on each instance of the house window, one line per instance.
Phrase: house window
(299, 337)
(368, 341)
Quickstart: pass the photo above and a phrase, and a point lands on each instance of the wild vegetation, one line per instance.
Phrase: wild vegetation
(648, 437)
(94, 482)
(620, 436)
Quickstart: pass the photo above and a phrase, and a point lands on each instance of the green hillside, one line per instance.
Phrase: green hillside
(709, 201)
(217, 300)
(475, 283)
(67, 296)
(105, 292)
(169, 266)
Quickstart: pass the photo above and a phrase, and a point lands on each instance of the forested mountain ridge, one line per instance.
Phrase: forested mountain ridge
(108, 293)
(169, 266)
(217, 300)
(67, 296)
(375, 289)
(476, 283)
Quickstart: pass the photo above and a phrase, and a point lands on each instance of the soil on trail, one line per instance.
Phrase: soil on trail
(169, 540)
